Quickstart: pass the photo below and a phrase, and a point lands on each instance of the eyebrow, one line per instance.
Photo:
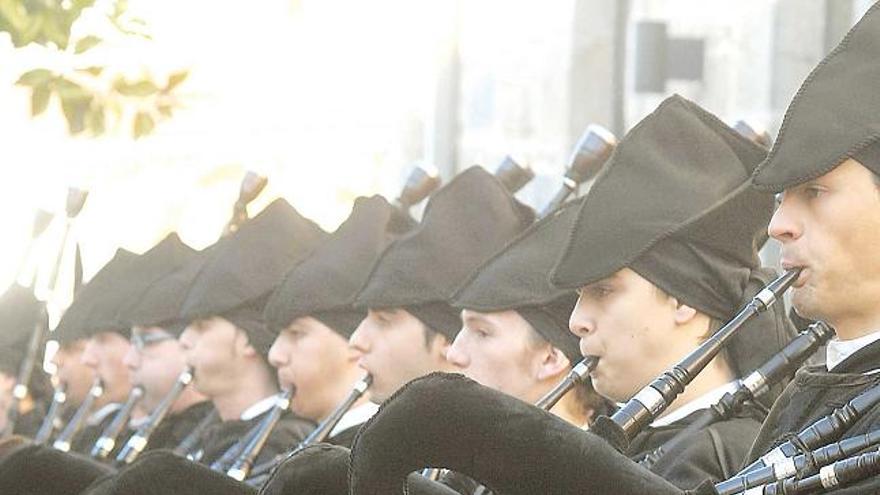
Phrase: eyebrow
(607, 280)
(476, 319)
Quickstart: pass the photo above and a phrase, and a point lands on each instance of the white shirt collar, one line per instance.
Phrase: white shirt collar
(355, 416)
(701, 402)
(96, 417)
(838, 351)
(258, 408)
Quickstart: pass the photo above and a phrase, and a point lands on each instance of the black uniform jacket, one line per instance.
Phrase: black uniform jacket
(85, 439)
(714, 453)
(286, 434)
(815, 393)
(175, 427)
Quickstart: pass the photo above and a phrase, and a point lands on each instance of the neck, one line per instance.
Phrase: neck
(253, 385)
(26, 405)
(568, 409)
(343, 388)
(188, 398)
(855, 327)
(716, 374)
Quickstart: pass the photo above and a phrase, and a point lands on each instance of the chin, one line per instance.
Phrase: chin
(806, 305)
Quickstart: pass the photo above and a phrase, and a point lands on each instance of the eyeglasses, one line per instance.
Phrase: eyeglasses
(141, 341)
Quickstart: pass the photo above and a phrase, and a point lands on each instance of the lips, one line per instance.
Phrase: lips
(789, 264)
(285, 382)
(363, 365)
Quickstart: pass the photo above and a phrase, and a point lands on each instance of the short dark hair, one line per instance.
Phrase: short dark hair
(592, 405)
(430, 333)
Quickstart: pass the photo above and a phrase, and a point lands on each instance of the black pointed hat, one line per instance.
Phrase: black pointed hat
(834, 115)
(517, 278)
(675, 204)
(325, 284)
(464, 223)
(159, 304)
(241, 271)
(166, 257)
(112, 296)
(19, 315)
(90, 303)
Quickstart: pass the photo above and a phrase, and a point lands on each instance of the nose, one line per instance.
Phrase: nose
(277, 354)
(581, 322)
(456, 354)
(131, 358)
(187, 339)
(360, 339)
(784, 225)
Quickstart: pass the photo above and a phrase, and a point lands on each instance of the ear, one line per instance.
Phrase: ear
(553, 363)
(243, 345)
(439, 346)
(684, 314)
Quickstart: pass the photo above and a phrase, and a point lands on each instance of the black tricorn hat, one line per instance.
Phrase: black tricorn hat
(464, 223)
(159, 304)
(166, 257)
(834, 115)
(122, 288)
(517, 278)
(90, 305)
(675, 204)
(241, 271)
(19, 314)
(325, 284)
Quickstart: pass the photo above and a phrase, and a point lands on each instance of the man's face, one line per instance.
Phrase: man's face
(830, 227)
(76, 376)
(154, 360)
(316, 362)
(7, 383)
(210, 347)
(497, 350)
(393, 350)
(629, 325)
(103, 353)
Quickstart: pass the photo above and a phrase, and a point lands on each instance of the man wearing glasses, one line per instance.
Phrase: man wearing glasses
(155, 361)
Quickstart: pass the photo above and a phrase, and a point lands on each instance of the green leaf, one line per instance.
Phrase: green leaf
(165, 110)
(14, 13)
(75, 113)
(35, 77)
(175, 79)
(40, 99)
(143, 124)
(33, 30)
(94, 70)
(140, 88)
(95, 120)
(70, 90)
(56, 30)
(86, 44)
